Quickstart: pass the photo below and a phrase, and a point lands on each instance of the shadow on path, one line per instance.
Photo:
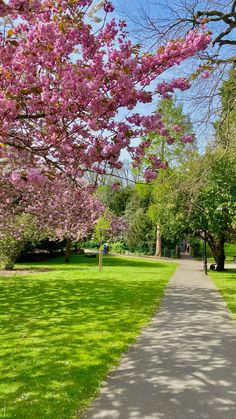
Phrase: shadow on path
(184, 365)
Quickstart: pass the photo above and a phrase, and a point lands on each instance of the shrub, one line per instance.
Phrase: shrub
(118, 247)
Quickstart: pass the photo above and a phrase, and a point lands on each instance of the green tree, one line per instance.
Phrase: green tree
(177, 124)
(199, 198)
(16, 237)
(141, 233)
(176, 153)
(226, 125)
(115, 199)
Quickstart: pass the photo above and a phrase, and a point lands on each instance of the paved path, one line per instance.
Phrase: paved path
(183, 365)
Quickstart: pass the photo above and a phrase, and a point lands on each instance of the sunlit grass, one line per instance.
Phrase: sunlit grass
(62, 329)
(230, 252)
(226, 283)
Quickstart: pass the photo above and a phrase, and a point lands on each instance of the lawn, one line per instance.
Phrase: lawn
(226, 283)
(62, 328)
(230, 252)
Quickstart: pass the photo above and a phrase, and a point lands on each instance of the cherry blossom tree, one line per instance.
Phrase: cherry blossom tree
(69, 212)
(58, 206)
(69, 86)
(17, 228)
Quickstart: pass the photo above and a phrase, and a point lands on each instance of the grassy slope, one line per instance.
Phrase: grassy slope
(62, 330)
(226, 283)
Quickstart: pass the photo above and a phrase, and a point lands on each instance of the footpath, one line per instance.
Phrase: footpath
(183, 365)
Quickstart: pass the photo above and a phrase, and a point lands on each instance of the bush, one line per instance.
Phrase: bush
(10, 249)
(17, 236)
(118, 247)
(90, 244)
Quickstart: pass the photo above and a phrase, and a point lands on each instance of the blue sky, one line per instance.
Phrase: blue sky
(197, 107)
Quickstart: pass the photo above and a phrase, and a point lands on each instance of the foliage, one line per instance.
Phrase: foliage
(168, 207)
(175, 148)
(226, 125)
(17, 238)
(102, 227)
(65, 326)
(118, 247)
(115, 199)
(199, 197)
(90, 244)
(141, 234)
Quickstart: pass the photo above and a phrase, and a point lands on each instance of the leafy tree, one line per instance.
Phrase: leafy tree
(141, 234)
(115, 199)
(171, 150)
(226, 126)
(199, 199)
(15, 235)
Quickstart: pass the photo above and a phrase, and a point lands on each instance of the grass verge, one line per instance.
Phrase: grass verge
(226, 283)
(62, 328)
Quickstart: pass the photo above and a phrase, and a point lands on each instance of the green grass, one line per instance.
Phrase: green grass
(62, 330)
(230, 251)
(226, 283)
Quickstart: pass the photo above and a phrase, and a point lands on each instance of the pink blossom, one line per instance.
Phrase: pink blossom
(64, 87)
(177, 128)
(149, 175)
(108, 6)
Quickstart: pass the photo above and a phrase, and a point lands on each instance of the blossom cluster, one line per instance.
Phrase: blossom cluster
(64, 83)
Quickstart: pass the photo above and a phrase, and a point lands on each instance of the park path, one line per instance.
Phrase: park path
(183, 365)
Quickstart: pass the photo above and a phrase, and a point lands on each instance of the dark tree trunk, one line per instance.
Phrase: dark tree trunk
(68, 250)
(217, 248)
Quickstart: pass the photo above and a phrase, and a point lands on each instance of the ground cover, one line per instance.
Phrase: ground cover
(62, 327)
(226, 283)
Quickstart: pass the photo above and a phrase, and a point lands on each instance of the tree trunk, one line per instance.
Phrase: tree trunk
(68, 250)
(100, 267)
(217, 248)
(158, 243)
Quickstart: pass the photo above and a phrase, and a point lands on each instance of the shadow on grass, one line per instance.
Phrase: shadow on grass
(78, 261)
(61, 332)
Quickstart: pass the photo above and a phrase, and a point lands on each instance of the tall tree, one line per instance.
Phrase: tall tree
(226, 125)
(200, 199)
(171, 151)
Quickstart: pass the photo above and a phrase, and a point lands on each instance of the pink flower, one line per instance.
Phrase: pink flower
(149, 175)
(170, 141)
(187, 138)
(108, 6)
(177, 128)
